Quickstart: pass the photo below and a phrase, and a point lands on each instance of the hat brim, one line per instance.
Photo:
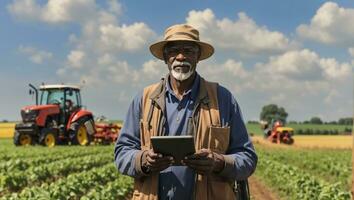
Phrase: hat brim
(157, 49)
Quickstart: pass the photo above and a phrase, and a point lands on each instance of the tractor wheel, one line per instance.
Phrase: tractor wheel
(49, 137)
(80, 135)
(291, 141)
(22, 139)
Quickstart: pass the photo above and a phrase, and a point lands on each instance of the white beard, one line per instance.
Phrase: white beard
(181, 76)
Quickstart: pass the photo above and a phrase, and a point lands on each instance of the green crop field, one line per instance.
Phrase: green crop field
(306, 174)
(256, 128)
(74, 172)
(60, 173)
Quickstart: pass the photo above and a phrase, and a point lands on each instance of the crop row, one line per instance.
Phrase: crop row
(330, 165)
(24, 163)
(297, 184)
(117, 189)
(306, 173)
(17, 180)
(74, 186)
(9, 152)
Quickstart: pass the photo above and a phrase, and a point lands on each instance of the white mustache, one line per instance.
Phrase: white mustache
(179, 75)
(178, 63)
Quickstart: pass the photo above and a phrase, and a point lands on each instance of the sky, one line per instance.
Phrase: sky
(296, 54)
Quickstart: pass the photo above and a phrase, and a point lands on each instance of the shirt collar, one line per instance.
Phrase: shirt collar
(193, 90)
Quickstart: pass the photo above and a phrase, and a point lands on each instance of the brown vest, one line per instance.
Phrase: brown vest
(208, 134)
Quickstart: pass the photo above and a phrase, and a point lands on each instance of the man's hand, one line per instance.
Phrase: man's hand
(155, 162)
(205, 162)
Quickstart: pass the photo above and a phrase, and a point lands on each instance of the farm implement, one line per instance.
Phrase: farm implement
(59, 118)
(278, 133)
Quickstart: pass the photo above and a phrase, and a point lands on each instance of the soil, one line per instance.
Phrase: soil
(259, 191)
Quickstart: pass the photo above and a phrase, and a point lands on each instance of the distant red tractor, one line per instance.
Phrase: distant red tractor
(277, 133)
(58, 118)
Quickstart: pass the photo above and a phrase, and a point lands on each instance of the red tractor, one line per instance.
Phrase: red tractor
(58, 118)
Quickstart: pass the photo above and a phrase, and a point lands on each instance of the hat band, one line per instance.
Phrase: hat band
(182, 33)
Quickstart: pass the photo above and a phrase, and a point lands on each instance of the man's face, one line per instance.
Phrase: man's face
(181, 58)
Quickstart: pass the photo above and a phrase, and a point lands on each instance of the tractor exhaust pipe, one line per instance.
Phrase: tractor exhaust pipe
(36, 91)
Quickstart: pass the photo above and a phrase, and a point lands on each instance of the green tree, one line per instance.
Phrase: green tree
(273, 112)
(316, 120)
(346, 121)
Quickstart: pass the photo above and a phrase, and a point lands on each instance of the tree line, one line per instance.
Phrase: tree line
(273, 112)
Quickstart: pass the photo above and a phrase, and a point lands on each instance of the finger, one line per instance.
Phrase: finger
(203, 152)
(154, 155)
(150, 160)
(199, 155)
(155, 162)
(195, 157)
(161, 161)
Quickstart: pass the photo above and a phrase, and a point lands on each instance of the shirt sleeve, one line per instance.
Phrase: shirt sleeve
(240, 158)
(127, 146)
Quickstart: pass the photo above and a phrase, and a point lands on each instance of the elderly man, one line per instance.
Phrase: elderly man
(183, 103)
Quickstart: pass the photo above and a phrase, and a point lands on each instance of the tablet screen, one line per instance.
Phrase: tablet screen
(176, 146)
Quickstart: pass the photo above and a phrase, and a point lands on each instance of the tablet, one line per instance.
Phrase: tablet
(176, 146)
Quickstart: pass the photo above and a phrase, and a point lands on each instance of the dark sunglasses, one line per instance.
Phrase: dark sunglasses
(187, 50)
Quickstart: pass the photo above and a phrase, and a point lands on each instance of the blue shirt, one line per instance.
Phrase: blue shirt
(177, 182)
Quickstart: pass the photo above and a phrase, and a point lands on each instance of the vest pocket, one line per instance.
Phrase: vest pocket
(219, 138)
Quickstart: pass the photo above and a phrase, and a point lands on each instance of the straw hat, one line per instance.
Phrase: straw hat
(181, 32)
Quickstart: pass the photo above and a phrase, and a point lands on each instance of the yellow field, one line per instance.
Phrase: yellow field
(7, 130)
(320, 141)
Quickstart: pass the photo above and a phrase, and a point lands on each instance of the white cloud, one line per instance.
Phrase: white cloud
(124, 38)
(301, 81)
(330, 25)
(75, 58)
(332, 95)
(59, 11)
(35, 55)
(305, 65)
(25, 9)
(351, 51)
(242, 35)
(154, 69)
(334, 70)
(115, 7)
(99, 48)
(56, 11)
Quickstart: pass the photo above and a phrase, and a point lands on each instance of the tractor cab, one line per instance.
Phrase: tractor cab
(67, 97)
